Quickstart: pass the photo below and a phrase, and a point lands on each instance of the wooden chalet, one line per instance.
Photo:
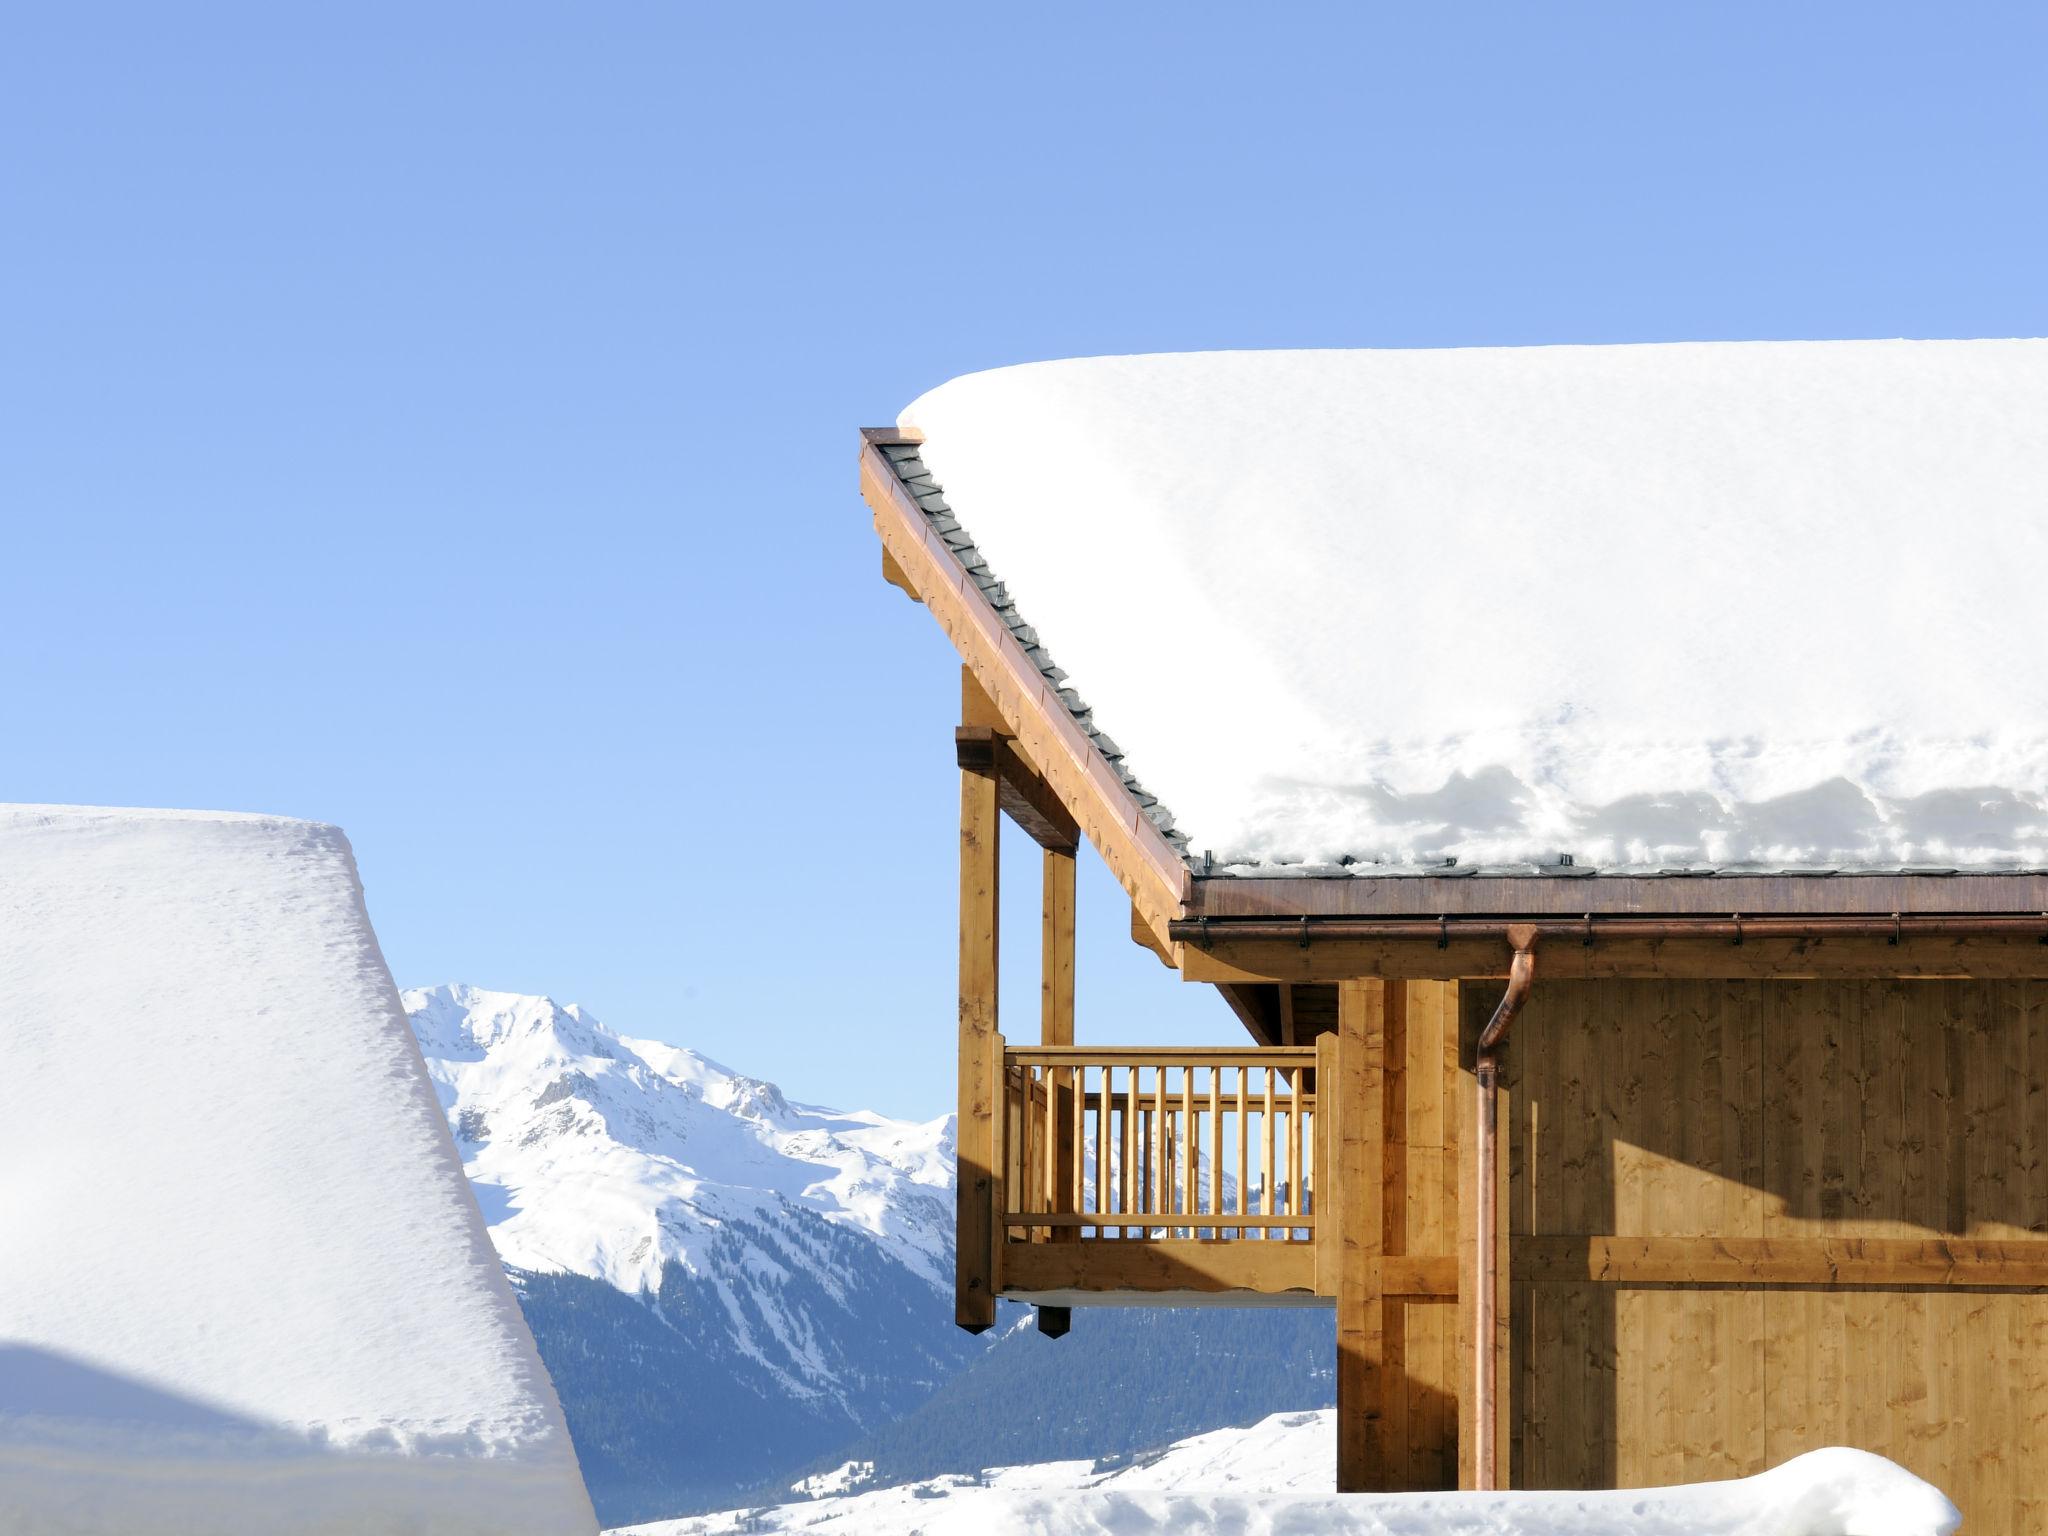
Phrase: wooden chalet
(1612, 1177)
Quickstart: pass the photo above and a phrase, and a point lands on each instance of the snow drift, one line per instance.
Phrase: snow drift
(1649, 606)
(1273, 1479)
(244, 1286)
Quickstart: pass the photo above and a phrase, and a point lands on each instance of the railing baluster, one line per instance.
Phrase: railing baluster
(1189, 1145)
(1130, 1161)
(1215, 1145)
(1269, 1139)
(1102, 1147)
(1162, 1177)
(1244, 1143)
(1051, 1169)
(1077, 1192)
(1293, 1146)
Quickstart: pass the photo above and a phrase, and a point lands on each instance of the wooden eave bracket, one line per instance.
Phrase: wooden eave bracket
(1024, 796)
(1074, 773)
(894, 574)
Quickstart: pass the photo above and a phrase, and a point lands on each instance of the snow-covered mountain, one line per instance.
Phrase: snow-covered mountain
(731, 1289)
(607, 1156)
(766, 1279)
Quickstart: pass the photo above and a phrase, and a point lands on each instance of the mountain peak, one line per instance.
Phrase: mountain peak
(609, 1156)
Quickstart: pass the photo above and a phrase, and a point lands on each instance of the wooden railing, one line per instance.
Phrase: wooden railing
(1099, 1144)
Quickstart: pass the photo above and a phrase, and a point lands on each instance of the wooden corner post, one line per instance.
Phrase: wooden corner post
(1476, 1007)
(1056, 973)
(1360, 1145)
(1056, 1027)
(974, 1295)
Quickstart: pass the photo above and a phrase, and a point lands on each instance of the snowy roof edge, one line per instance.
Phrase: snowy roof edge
(906, 463)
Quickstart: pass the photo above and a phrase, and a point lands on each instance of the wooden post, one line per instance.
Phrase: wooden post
(974, 1298)
(1329, 1199)
(1056, 970)
(1056, 1027)
(1476, 1006)
(1360, 1140)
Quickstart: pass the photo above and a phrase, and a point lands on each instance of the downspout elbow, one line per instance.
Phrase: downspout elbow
(1521, 975)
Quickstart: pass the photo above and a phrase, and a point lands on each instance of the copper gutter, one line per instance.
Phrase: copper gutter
(1203, 931)
(1486, 1200)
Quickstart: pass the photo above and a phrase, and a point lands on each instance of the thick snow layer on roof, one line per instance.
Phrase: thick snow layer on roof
(243, 1284)
(1275, 1477)
(1648, 606)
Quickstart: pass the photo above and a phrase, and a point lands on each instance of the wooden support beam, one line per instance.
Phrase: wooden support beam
(1257, 1008)
(1329, 1181)
(2020, 1264)
(1475, 1007)
(894, 574)
(1056, 1027)
(1360, 1141)
(1992, 957)
(1056, 956)
(1174, 1265)
(1288, 1034)
(1146, 937)
(1025, 798)
(974, 1299)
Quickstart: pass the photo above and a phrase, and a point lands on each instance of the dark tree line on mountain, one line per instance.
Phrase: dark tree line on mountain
(1124, 1381)
(671, 1415)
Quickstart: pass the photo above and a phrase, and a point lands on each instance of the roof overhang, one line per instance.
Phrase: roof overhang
(1234, 930)
(1061, 754)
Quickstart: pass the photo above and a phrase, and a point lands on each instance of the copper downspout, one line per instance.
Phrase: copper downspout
(1486, 1199)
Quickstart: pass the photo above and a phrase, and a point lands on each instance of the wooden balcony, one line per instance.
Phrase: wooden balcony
(1183, 1175)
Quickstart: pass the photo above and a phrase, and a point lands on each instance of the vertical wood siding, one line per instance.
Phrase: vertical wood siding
(1783, 1112)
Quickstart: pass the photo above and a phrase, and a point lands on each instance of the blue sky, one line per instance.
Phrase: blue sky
(440, 419)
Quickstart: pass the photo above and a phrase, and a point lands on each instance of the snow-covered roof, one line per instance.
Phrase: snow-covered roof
(1637, 608)
(243, 1284)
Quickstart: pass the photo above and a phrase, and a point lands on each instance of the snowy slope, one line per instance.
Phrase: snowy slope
(1274, 1477)
(1649, 606)
(243, 1285)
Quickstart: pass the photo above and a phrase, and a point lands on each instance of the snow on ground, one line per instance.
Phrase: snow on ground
(1273, 1479)
(1649, 606)
(243, 1285)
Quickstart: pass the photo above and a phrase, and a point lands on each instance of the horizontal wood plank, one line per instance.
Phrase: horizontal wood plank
(1175, 1265)
(1781, 1261)
(1164, 1055)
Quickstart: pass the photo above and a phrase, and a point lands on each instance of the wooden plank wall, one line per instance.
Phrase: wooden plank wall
(1773, 1114)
